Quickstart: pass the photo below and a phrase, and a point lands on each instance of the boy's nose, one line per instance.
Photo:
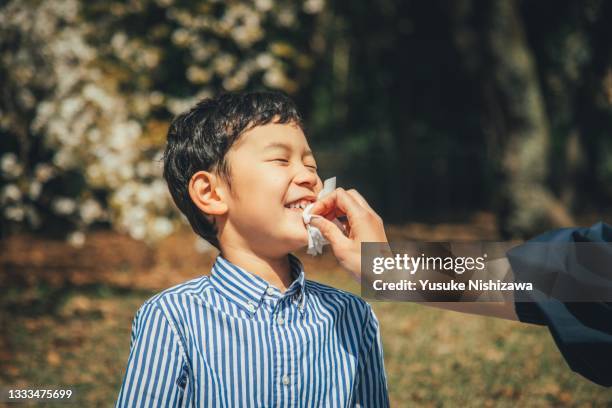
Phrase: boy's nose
(306, 177)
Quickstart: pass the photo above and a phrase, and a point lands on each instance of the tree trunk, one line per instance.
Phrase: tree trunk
(530, 207)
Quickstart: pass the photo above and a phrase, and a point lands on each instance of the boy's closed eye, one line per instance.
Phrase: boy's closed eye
(286, 161)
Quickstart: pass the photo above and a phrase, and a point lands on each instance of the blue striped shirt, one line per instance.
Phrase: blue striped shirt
(231, 339)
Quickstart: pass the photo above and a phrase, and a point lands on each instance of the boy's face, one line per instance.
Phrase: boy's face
(271, 168)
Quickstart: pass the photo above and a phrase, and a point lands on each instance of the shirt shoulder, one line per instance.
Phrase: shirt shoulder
(192, 288)
(330, 295)
(175, 305)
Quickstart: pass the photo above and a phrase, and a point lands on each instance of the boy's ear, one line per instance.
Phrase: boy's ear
(204, 189)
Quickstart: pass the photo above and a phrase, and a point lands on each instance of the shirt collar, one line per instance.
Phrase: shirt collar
(248, 290)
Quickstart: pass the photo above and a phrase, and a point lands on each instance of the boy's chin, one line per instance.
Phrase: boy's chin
(294, 241)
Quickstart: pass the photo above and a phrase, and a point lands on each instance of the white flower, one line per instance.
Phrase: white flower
(247, 34)
(44, 111)
(224, 63)
(137, 231)
(65, 159)
(141, 105)
(198, 75)
(126, 172)
(313, 6)
(156, 98)
(135, 215)
(264, 60)
(11, 193)
(162, 199)
(95, 175)
(63, 205)
(76, 239)
(286, 17)
(202, 52)
(263, 5)
(43, 172)
(181, 37)
(123, 134)
(94, 135)
(178, 105)
(144, 195)
(150, 58)
(35, 189)
(235, 82)
(90, 210)
(70, 107)
(143, 169)
(98, 96)
(274, 78)
(14, 213)
(119, 40)
(10, 166)
(162, 227)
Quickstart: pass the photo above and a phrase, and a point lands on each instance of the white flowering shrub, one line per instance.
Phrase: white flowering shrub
(89, 88)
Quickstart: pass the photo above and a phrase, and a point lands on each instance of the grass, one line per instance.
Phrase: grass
(432, 357)
(75, 331)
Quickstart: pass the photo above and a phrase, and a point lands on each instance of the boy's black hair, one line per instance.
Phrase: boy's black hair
(200, 138)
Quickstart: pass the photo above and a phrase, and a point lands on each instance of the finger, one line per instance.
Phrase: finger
(330, 231)
(341, 203)
(331, 213)
(331, 216)
(325, 205)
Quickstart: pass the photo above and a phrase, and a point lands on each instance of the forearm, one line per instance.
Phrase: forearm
(503, 310)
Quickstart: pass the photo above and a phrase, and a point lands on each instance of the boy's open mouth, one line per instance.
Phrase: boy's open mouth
(300, 204)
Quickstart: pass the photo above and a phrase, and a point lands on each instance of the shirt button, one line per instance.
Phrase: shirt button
(286, 379)
(270, 290)
(251, 307)
(280, 320)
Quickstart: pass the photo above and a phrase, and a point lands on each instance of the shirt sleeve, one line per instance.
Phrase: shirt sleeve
(581, 330)
(156, 373)
(371, 388)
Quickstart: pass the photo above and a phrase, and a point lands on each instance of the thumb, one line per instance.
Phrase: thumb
(330, 231)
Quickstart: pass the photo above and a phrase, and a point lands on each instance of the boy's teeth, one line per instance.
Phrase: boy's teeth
(301, 205)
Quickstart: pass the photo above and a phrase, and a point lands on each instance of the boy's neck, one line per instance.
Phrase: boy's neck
(276, 271)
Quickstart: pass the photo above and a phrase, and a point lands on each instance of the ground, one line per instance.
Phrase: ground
(67, 313)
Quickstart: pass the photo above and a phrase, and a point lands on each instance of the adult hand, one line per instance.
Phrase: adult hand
(363, 225)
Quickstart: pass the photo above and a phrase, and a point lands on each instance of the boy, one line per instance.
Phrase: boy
(255, 332)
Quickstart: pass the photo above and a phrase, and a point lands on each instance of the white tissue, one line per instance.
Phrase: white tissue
(316, 240)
